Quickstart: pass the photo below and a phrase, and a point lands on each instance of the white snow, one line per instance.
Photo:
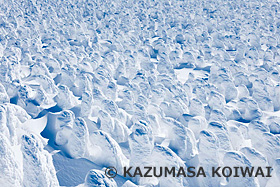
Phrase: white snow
(91, 84)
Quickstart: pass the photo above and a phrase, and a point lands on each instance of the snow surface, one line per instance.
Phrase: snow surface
(85, 85)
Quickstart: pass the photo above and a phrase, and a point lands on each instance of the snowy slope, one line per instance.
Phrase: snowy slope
(86, 85)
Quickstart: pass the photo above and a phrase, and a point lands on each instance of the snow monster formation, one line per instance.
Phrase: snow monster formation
(91, 84)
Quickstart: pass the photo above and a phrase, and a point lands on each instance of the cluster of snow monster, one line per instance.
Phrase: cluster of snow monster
(136, 83)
